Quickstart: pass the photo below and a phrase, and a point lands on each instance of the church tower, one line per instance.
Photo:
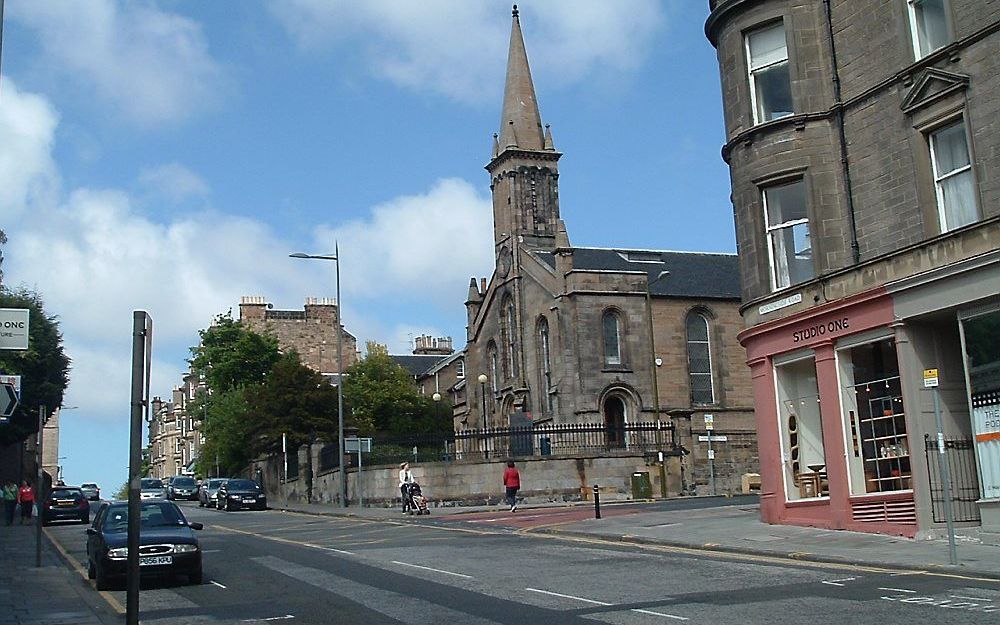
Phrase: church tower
(524, 172)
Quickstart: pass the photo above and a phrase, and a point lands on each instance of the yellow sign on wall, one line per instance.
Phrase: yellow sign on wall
(930, 378)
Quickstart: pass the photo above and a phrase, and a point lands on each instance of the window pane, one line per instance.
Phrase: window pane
(953, 176)
(612, 350)
(959, 203)
(803, 451)
(792, 255)
(697, 328)
(701, 389)
(774, 92)
(698, 358)
(951, 151)
(785, 203)
(931, 25)
(767, 46)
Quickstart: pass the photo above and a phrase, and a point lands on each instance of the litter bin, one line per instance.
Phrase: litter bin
(642, 488)
(545, 445)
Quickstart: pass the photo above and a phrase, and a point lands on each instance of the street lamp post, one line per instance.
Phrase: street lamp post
(484, 425)
(340, 369)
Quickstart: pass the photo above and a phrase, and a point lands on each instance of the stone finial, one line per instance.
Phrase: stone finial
(549, 145)
(514, 12)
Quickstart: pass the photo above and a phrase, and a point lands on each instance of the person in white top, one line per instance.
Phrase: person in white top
(405, 479)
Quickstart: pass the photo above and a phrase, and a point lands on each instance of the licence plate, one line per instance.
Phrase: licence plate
(64, 504)
(155, 560)
(249, 500)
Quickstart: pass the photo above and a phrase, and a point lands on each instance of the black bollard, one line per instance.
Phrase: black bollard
(597, 502)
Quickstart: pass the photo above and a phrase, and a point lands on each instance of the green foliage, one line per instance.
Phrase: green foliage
(228, 433)
(122, 493)
(294, 400)
(383, 398)
(43, 367)
(231, 356)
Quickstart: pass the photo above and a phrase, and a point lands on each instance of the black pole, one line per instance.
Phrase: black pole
(139, 323)
(39, 488)
(597, 502)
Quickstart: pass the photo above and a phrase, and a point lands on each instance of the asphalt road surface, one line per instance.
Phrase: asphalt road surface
(274, 567)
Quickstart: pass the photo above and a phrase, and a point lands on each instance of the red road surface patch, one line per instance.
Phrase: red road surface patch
(534, 517)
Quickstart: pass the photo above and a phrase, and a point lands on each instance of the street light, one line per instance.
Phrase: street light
(436, 396)
(340, 369)
(482, 391)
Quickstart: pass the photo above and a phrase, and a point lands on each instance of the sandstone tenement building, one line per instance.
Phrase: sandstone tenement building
(863, 145)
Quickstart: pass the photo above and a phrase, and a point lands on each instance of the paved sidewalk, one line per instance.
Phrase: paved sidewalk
(53, 594)
(738, 529)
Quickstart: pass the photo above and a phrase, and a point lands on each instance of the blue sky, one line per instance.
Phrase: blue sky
(167, 156)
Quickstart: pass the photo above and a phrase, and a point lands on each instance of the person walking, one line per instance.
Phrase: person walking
(26, 497)
(405, 479)
(9, 495)
(512, 483)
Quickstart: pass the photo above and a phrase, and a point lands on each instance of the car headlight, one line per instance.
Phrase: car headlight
(234, 496)
(118, 554)
(185, 548)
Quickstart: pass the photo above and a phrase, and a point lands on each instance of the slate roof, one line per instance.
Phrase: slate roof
(417, 363)
(692, 274)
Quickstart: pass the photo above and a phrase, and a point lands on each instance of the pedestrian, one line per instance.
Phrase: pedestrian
(405, 479)
(9, 495)
(511, 482)
(26, 497)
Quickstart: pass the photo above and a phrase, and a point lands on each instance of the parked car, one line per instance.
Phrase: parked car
(167, 546)
(152, 488)
(182, 487)
(208, 490)
(236, 494)
(65, 503)
(91, 491)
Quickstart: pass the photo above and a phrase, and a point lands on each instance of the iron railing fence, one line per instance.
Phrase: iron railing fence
(960, 454)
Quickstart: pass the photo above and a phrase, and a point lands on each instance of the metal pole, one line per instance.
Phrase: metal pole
(139, 322)
(711, 461)
(597, 502)
(340, 386)
(945, 480)
(39, 487)
(361, 496)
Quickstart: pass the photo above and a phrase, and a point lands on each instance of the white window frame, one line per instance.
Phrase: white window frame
(911, 10)
(460, 368)
(711, 366)
(941, 177)
(751, 70)
(770, 230)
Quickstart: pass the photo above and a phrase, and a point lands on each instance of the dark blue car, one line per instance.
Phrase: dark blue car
(167, 546)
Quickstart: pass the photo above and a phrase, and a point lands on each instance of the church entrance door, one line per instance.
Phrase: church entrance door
(614, 421)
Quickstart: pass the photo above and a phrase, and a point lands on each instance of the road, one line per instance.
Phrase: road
(274, 567)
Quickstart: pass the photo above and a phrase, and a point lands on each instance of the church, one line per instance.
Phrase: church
(562, 334)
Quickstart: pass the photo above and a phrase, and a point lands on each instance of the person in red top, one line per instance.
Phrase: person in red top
(26, 497)
(512, 482)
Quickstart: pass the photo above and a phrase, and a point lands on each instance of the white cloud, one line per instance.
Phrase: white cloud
(153, 65)
(425, 247)
(174, 181)
(458, 48)
(27, 172)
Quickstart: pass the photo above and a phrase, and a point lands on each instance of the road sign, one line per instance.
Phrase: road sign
(930, 378)
(709, 422)
(718, 438)
(358, 444)
(711, 454)
(8, 400)
(14, 328)
(12, 379)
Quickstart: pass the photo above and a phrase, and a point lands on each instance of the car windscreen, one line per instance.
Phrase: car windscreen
(66, 493)
(163, 514)
(183, 482)
(150, 483)
(215, 483)
(241, 485)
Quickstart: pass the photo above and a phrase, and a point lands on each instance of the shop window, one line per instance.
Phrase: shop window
(788, 242)
(699, 359)
(981, 338)
(767, 67)
(803, 453)
(953, 183)
(928, 25)
(878, 450)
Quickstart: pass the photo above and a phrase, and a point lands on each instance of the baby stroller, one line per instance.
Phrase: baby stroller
(418, 503)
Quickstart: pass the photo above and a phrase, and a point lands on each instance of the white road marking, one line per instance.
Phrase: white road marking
(217, 584)
(273, 618)
(605, 604)
(427, 568)
(211, 550)
(831, 583)
(556, 594)
(896, 589)
(839, 582)
(673, 616)
(346, 553)
(972, 598)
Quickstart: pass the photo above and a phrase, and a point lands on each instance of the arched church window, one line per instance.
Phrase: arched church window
(699, 359)
(510, 326)
(611, 323)
(544, 367)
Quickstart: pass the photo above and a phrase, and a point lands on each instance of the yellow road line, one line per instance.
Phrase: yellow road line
(107, 596)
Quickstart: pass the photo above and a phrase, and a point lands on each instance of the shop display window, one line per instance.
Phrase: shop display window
(981, 338)
(803, 453)
(878, 450)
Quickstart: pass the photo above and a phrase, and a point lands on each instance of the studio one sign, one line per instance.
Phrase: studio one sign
(832, 327)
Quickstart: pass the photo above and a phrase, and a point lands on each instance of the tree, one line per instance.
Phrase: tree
(43, 367)
(228, 432)
(231, 356)
(293, 400)
(383, 398)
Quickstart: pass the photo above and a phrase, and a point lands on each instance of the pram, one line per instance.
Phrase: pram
(418, 503)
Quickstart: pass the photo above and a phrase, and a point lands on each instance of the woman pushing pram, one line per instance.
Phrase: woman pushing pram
(414, 501)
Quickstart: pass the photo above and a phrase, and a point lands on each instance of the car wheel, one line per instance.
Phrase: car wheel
(91, 571)
(102, 581)
(229, 506)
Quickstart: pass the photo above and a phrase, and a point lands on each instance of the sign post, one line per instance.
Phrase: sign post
(709, 427)
(142, 332)
(931, 382)
(359, 445)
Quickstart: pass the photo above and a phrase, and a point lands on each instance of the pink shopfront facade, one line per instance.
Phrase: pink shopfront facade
(831, 419)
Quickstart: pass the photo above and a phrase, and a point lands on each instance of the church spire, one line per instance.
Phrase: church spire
(520, 122)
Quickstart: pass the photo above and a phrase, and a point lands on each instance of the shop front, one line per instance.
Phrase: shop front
(835, 441)
(981, 344)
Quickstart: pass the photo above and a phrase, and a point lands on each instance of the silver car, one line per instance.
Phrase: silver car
(209, 490)
(152, 488)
